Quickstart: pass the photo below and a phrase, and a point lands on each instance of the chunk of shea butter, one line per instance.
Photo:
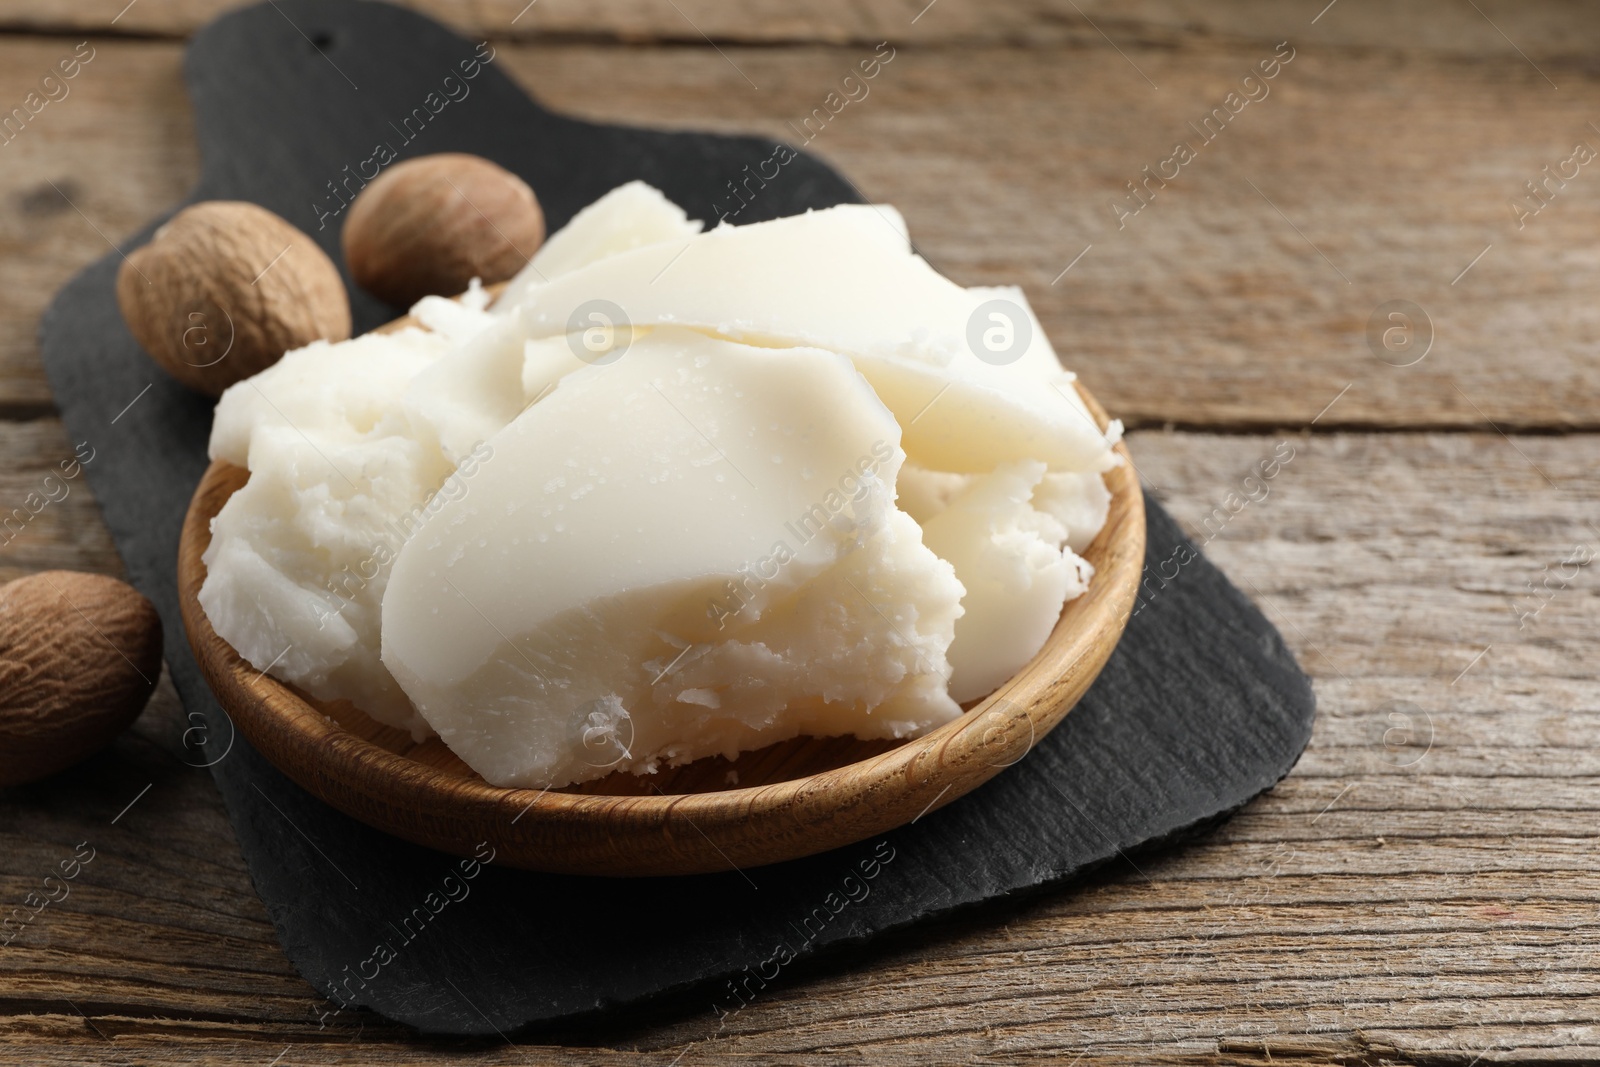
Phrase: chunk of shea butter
(845, 279)
(627, 217)
(922, 493)
(1009, 557)
(456, 318)
(343, 389)
(300, 555)
(691, 551)
(465, 399)
(1078, 500)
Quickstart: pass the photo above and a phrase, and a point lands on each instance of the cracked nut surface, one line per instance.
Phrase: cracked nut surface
(224, 289)
(430, 225)
(80, 655)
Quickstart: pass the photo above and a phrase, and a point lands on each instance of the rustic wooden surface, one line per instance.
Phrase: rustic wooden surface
(1421, 890)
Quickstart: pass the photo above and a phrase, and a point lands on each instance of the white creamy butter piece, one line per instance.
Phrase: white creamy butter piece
(300, 555)
(844, 279)
(627, 217)
(1008, 555)
(345, 389)
(455, 318)
(690, 551)
(462, 400)
(922, 493)
(339, 478)
(1079, 501)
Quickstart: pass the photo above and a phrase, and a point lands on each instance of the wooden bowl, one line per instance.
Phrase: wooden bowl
(792, 799)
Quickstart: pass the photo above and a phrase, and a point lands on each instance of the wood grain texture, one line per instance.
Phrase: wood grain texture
(796, 798)
(1240, 295)
(84, 173)
(66, 533)
(1392, 898)
(1399, 169)
(1499, 28)
(1373, 908)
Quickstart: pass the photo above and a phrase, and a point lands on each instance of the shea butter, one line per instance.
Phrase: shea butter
(846, 280)
(674, 494)
(690, 553)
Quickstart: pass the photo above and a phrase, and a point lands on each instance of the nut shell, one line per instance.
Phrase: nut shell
(430, 225)
(224, 289)
(79, 656)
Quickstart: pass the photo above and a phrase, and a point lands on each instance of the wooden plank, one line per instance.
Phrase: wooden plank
(1388, 900)
(1558, 29)
(1410, 903)
(1244, 288)
(48, 521)
(85, 172)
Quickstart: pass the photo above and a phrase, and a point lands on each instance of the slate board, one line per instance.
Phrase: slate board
(1200, 708)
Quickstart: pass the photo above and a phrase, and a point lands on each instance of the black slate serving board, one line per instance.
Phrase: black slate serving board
(1200, 709)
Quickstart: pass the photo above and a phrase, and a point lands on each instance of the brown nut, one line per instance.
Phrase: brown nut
(79, 656)
(224, 289)
(428, 226)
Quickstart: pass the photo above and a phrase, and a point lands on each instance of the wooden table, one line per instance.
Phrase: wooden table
(1421, 890)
